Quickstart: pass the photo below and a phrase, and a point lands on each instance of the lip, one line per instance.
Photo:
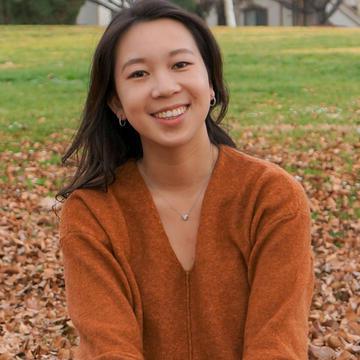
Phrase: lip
(169, 108)
(173, 122)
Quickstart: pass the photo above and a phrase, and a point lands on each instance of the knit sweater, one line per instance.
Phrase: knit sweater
(247, 296)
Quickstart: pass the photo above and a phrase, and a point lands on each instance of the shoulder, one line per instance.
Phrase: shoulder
(239, 161)
(92, 210)
(264, 183)
(78, 212)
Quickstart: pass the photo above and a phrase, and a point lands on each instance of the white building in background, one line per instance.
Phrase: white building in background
(273, 13)
(263, 13)
(93, 14)
(248, 13)
(348, 14)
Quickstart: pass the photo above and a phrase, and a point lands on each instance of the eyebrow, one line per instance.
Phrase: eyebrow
(143, 60)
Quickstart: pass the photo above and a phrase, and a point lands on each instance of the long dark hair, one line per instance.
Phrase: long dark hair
(103, 143)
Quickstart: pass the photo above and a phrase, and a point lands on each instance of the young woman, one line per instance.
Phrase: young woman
(175, 244)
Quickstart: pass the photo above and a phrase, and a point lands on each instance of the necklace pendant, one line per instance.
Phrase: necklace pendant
(185, 217)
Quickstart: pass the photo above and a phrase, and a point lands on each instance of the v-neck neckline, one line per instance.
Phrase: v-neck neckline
(204, 206)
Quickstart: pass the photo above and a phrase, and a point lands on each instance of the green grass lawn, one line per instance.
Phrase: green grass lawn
(275, 76)
(292, 75)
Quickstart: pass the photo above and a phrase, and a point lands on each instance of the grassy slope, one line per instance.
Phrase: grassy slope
(275, 76)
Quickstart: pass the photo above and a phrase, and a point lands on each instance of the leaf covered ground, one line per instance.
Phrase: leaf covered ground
(33, 318)
(294, 101)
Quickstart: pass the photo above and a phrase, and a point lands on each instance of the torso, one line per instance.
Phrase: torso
(182, 235)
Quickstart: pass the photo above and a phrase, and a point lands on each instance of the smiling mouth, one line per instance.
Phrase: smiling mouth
(171, 114)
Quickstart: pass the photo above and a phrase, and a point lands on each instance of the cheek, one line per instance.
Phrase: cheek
(131, 98)
(200, 83)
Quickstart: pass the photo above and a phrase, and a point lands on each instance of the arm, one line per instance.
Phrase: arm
(281, 276)
(98, 292)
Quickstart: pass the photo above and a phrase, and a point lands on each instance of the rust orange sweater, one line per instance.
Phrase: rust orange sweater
(247, 297)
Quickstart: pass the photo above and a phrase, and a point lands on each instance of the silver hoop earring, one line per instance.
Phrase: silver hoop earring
(122, 122)
(213, 102)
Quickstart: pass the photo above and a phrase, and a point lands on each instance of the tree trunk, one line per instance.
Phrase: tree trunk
(220, 13)
(229, 13)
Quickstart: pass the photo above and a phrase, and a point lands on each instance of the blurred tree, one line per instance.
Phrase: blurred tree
(186, 4)
(39, 11)
(225, 10)
(113, 5)
(229, 13)
(306, 12)
(204, 7)
(116, 5)
(200, 7)
(312, 12)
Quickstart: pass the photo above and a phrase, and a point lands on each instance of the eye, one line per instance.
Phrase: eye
(182, 63)
(136, 74)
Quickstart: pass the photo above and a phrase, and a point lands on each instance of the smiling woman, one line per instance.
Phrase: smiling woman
(175, 244)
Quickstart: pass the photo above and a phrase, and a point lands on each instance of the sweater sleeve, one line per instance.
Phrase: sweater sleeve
(98, 293)
(280, 275)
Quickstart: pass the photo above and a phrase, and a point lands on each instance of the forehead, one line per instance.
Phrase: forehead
(155, 37)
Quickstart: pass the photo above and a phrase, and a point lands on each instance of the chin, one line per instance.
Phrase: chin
(173, 143)
(173, 139)
(176, 140)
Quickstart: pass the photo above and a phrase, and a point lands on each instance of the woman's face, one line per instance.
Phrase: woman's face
(162, 84)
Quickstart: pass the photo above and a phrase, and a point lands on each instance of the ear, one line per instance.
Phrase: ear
(115, 106)
(211, 87)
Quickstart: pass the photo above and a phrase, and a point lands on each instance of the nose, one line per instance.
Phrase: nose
(165, 85)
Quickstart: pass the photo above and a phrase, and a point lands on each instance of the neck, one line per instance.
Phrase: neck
(178, 168)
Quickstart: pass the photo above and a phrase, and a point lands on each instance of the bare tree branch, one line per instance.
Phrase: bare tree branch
(106, 5)
(312, 7)
(113, 5)
(331, 12)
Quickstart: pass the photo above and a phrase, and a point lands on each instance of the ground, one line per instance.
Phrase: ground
(294, 101)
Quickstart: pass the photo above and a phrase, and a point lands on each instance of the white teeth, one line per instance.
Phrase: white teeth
(171, 113)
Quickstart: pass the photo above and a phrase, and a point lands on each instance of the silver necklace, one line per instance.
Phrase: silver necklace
(186, 215)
